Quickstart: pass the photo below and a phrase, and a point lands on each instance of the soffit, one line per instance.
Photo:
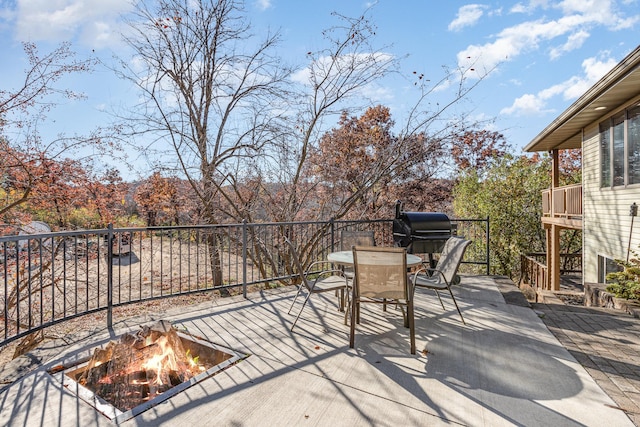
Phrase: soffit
(615, 89)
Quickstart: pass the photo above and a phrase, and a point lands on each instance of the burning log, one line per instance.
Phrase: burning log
(139, 366)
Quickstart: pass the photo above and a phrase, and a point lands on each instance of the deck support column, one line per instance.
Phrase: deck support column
(553, 231)
(552, 282)
(554, 267)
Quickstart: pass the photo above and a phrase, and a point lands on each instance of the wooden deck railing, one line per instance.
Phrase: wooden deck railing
(533, 268)
(567, 201)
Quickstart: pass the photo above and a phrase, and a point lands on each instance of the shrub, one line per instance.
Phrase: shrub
(626, 282)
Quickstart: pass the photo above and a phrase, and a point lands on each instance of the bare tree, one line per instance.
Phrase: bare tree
(279, 186)
(334, 85)
(28, 162)
(210, 89)
(240, 125)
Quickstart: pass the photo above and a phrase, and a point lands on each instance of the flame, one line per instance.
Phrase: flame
(165, 359)
(193, 361)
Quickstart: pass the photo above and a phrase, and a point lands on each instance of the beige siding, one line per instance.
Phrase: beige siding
(606, 221)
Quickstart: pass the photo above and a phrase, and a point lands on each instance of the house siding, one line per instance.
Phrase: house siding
(606, 221)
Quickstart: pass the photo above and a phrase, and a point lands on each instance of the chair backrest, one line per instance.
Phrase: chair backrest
(451, 257)
(296, 263)
(349, 239)
(380, 272)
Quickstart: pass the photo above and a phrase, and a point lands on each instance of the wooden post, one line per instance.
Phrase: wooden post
(553, 234)
(555, 168)
(549, 261)
(554, 283)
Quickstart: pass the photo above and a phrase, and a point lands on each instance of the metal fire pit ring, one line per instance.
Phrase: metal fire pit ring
(66, 374)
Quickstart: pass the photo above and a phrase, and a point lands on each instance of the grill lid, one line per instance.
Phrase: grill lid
(423, 223)
(417, 223)
(421, 232)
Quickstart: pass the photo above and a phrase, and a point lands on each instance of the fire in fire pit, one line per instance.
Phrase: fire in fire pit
(140, 370)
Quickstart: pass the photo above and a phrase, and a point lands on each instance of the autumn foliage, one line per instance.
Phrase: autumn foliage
(61, 193)
(476, 149)
(165, 201)
(363, 165)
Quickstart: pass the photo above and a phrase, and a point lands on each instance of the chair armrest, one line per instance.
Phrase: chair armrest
(323, 272)
(432, 272)
(427, 270)
(320, 263)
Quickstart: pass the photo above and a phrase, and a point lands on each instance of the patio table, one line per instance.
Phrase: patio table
(346, 258)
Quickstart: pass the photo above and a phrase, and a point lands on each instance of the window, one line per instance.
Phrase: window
(633, 135)
(605, 155)
(606, 265)
(620, 149)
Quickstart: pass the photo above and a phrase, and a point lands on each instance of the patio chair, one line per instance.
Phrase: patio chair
(380, 276)
(326, 280)
(349, 239)
(443, 275)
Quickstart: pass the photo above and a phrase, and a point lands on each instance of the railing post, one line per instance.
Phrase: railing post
(110, 276)
(487, 238)
(332, 226)
(244, 258)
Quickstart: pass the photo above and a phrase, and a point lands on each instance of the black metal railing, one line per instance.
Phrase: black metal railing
(53, 277)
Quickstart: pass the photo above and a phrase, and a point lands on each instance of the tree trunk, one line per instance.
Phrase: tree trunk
(213, 245)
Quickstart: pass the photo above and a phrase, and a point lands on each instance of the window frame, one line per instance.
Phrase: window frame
(609, 176)
(606, 265)
(605, 153)
(633, 160)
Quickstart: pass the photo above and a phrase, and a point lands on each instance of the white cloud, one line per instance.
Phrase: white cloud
(496, 12)
(530, 7)
(93, 21)
(509, 43)
(263, 4)
(594, 69)
(6, 13)
(518, 8)
(599, 11)
(467, 15)
(526, 105)
(575, 41)
(574, 26)
(325, 66)
(378, 93)
(572, 88)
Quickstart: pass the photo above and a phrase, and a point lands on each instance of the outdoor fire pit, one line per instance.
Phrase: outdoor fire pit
(140, 370)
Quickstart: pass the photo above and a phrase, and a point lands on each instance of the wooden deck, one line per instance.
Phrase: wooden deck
(503, 368)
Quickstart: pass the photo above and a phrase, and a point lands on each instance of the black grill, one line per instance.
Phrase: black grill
(421, 232)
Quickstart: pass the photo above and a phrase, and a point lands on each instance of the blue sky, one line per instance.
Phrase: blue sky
(544, 54)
